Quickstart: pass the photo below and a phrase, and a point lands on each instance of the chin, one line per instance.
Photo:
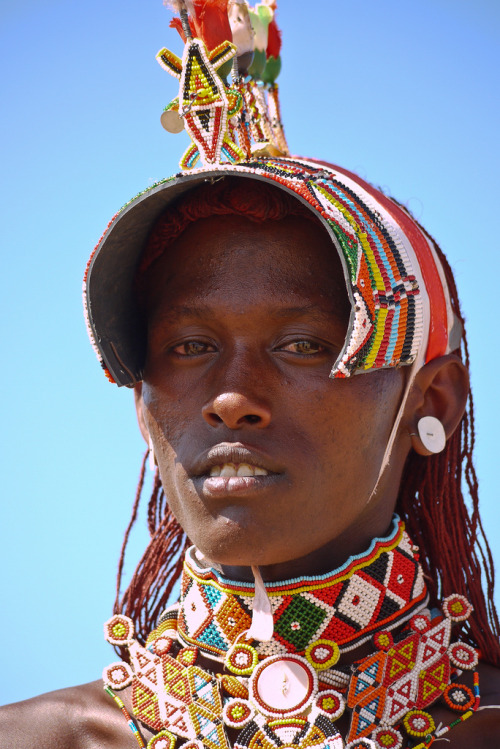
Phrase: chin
(227, 543)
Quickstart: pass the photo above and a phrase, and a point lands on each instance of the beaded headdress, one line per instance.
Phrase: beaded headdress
(229, 105)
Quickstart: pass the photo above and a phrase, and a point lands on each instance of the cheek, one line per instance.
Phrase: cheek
(166, 419)
(357, 416)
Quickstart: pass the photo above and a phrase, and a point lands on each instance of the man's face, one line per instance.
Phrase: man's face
(263, 458)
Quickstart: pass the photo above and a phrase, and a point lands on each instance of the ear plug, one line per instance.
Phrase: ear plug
(431, 433)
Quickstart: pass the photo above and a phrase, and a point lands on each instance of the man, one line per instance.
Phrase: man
(293, 340)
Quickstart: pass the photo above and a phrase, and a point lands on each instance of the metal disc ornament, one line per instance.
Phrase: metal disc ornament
(172, 121)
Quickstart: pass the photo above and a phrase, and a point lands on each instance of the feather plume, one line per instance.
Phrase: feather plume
(273, 40)
(208, 20)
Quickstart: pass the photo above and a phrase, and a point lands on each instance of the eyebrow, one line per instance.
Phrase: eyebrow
(204, 312)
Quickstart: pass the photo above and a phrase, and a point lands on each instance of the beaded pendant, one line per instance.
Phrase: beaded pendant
(204, 102)
(168, 693)
(405, 677)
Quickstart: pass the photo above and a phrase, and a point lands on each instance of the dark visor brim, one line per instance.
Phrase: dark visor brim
(114, 319)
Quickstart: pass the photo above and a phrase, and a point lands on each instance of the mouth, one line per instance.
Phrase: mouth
(233, 468)
(233, 459)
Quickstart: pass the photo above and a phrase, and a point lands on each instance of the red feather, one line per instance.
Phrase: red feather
(211, 22)
(273, 40)
(176, 23)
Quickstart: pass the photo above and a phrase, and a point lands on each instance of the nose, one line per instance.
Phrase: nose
(235, 411)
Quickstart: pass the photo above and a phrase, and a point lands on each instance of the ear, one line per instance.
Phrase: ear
(139, 407)
(440, 389)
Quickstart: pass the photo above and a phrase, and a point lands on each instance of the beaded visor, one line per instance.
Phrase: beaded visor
(400, 308)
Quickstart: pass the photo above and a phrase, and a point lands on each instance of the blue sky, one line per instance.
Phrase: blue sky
(406, 94)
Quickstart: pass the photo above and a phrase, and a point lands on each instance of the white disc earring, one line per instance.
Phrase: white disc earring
(431, 433)
(152, 462)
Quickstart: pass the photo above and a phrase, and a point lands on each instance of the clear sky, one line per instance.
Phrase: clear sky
(404, 93)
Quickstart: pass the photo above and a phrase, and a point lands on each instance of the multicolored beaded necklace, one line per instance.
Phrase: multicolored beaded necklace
(292, 689)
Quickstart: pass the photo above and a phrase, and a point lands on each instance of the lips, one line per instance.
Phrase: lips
(230, 460)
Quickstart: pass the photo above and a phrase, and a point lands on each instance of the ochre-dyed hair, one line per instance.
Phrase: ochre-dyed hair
(455, 554)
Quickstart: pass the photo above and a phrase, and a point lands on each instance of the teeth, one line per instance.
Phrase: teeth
(245, 470)
(240, 469)
(228, 469)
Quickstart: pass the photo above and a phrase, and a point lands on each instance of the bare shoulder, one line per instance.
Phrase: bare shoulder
(81, 717)
(482, 730)
(490, 683)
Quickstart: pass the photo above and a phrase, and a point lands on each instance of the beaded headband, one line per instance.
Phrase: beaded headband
(400, 306)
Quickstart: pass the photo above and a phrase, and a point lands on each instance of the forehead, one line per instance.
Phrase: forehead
(233, 258)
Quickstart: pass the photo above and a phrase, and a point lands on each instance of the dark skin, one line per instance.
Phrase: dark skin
(245, 322)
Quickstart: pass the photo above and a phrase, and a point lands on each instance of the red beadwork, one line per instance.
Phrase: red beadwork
(420, 623)
(237, 713)
(330, 703)
(383, 640)
(457, 608)
(387, 738)
(119, 630)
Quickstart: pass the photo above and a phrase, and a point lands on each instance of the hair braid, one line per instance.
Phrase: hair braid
(160, 567)
(455, 554)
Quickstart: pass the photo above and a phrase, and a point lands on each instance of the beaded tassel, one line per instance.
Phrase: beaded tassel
(128, 718)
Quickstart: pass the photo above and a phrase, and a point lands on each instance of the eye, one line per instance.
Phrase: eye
(193, 348)
(304, 348)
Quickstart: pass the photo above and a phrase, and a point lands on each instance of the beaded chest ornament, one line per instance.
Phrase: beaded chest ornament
(292, 689)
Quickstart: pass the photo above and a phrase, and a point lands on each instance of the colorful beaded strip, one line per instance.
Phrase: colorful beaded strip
(386, 327)
(128, 718)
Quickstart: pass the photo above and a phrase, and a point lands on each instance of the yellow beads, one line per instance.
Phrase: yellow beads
(322, 654)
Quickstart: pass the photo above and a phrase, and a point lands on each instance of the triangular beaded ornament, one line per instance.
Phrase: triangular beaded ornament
(227, 123)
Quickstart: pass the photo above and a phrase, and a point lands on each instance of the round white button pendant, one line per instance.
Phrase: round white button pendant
(283, 685)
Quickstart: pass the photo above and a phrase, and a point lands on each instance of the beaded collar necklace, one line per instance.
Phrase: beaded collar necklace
(291, 690)
(380, 589)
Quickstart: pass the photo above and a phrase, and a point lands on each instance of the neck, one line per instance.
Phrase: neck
(331, 555)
